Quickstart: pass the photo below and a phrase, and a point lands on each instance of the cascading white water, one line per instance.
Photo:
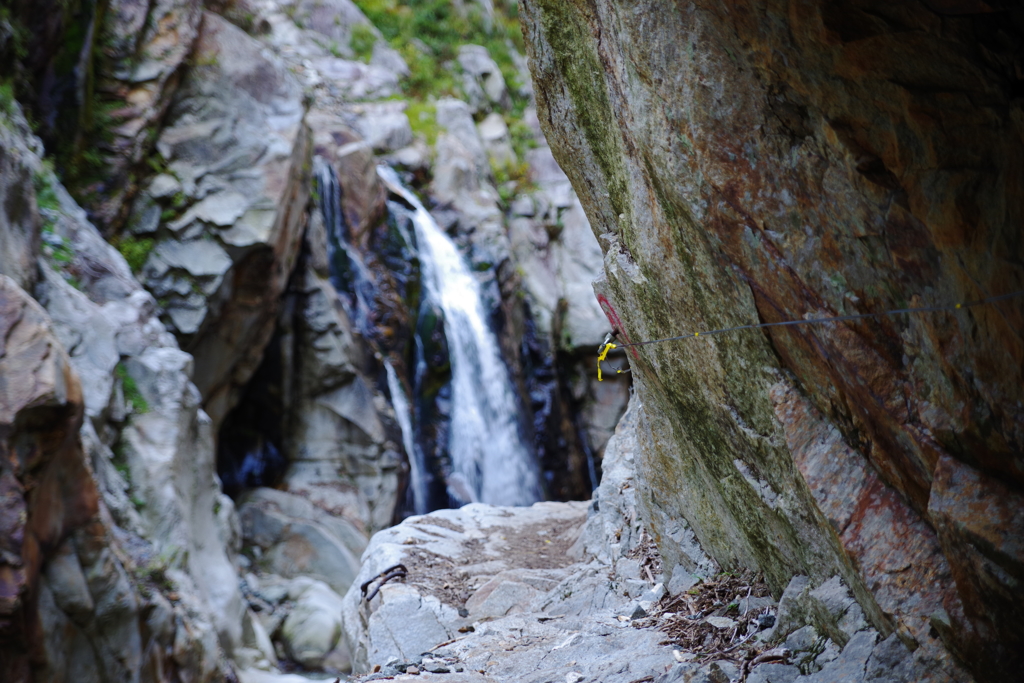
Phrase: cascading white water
(487, 453)
(417, 474)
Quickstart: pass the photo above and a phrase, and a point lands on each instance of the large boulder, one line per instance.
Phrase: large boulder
(297, 538)
(363, 197)
(71, 604)
(40, 413)
(237, 158)
(462, 565)
(312, 629)
(755, 164)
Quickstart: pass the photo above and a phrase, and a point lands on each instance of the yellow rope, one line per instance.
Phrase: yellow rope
(601, 356)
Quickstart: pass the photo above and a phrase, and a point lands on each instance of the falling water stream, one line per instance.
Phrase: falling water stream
(417, 476)
(489, 461)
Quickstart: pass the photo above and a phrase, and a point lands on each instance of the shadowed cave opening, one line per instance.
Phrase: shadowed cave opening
(250, 450)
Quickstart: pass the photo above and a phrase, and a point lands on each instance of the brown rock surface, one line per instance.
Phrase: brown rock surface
(45, 487)
(758, 162)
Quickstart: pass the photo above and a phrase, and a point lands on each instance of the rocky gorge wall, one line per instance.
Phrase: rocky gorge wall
(197, 430)
(764, 161)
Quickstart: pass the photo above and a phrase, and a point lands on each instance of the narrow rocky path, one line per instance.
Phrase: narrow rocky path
(574, 592)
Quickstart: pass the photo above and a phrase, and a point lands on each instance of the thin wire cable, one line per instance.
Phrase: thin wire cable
(836, 319)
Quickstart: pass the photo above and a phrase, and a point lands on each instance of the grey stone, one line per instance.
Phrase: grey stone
(415, 157)
(299, 539)
(802, 639)
(892, 662)
(162, 186)
(198, 257)
(68, 585)
(684, 672)
(187, 315)
(357, 81)
(498, 597)
(221, 209)
(236, 142)
(456, 117)
(681, 581)
(483, 72)
(773, 673)
(496, 140)
(170, 456)
(87, 334)
(523, 205)
(792, 613)
(849, 666)
(407, 623)
(832, 603)
(389, 59)
(312, 628)
(19, 214)
(384, 125)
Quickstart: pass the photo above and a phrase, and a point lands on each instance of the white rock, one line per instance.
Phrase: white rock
(313, 627)
(221, 209)
(720, 622)
(198, 257)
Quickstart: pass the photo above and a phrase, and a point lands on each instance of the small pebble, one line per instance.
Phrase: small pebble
(414, 670)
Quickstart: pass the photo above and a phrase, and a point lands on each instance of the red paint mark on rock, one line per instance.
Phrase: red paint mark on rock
(616, 323)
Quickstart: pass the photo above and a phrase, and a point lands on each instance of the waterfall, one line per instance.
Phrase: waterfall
(417, 473)
(489, 461)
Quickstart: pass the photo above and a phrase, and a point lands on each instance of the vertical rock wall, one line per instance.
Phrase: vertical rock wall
(767, 161)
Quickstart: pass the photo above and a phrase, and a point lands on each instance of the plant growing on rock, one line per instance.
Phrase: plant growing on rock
(362, 41)
(135, 251)
(133, 398)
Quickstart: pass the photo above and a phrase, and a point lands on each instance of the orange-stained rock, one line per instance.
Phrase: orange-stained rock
(46, 489)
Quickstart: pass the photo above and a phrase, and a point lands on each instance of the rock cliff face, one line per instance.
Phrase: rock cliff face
(765, 161)
(210, 295)
(179, 335)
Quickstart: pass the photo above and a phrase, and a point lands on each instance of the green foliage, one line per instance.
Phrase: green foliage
(132, 396)
(135, 251)
(7, 98)
(522, 136)
(428, 34)
(46, 195)
(17, 35)
(423, 120)
(512, 178)
(362, 41)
